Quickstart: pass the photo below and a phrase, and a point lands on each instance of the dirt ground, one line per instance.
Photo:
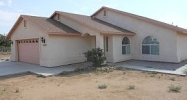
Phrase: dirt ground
(85, 87)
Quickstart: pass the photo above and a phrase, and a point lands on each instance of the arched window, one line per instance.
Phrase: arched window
(126, 45)
(150, 45)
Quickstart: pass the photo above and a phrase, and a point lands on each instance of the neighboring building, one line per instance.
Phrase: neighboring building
(63, 38)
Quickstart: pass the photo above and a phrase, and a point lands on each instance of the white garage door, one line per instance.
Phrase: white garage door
(28, 51)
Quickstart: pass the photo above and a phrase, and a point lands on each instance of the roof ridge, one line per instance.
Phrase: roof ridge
(72, 13)
(33, 16)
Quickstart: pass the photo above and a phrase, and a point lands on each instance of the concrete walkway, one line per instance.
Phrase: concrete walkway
(11, 68)
(169, 68)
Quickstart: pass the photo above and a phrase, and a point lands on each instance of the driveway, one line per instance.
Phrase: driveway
(11, 68)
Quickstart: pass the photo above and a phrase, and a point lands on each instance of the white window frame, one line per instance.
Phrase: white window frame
(150, 45)
(126, 45)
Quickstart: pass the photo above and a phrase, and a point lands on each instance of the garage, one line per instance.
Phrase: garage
(28, 51)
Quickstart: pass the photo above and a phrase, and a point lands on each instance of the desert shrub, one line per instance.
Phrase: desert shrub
(42, 76)
(79, 70)
(17, 90)
(173, 88)
(152, 72)
(153, 75)
(65, 73)
(96, 56)
(131, 87)
(121, 68)
(105, 69)
(103, 86)
(185, 71)
(172, 78)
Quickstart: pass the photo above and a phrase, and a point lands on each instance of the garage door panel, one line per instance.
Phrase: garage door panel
(28, 51)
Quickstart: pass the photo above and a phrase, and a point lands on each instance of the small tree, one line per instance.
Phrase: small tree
(3, 41)
(96, 56)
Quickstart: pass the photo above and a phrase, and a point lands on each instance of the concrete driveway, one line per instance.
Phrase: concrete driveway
(11, 68)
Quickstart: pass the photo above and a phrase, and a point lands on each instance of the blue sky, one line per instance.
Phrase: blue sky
(163, 10)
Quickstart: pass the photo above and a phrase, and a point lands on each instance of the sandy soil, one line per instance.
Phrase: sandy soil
(85, 87)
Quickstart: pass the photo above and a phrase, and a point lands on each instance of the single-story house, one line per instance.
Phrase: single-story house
(62, 38)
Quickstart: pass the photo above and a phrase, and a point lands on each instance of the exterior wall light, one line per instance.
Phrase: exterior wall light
(43, 39)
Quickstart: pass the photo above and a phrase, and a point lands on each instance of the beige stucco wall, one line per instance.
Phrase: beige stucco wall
(109, 53)
(117, 49)
(182, 46)
(166, 37)
(68, 49)
(29, 32)
(82, 29)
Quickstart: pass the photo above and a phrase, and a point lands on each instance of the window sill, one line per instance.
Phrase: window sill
(150, 55)
(126, 54)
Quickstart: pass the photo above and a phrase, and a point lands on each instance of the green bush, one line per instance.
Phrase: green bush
(103, 86)
(175, 89)
(96, 56)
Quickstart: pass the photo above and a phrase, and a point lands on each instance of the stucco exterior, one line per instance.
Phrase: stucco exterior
(28, 32)
(57, 50)
(63, 47)
(65, 50)
(181, 47)
(168, 50)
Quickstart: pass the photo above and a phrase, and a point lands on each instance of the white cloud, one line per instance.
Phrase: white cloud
(2, 3)
(7, 16)
(9, 3)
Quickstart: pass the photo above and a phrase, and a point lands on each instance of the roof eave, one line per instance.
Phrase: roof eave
(63, 33)
(53, 14)
(98, 11)
(118, 33)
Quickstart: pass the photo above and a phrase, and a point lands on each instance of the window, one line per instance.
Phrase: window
(104, 13)
(25, 23)
(106, 44)
(150, 45)
(125, 46)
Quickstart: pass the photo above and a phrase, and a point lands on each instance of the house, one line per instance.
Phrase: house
(62, 38)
